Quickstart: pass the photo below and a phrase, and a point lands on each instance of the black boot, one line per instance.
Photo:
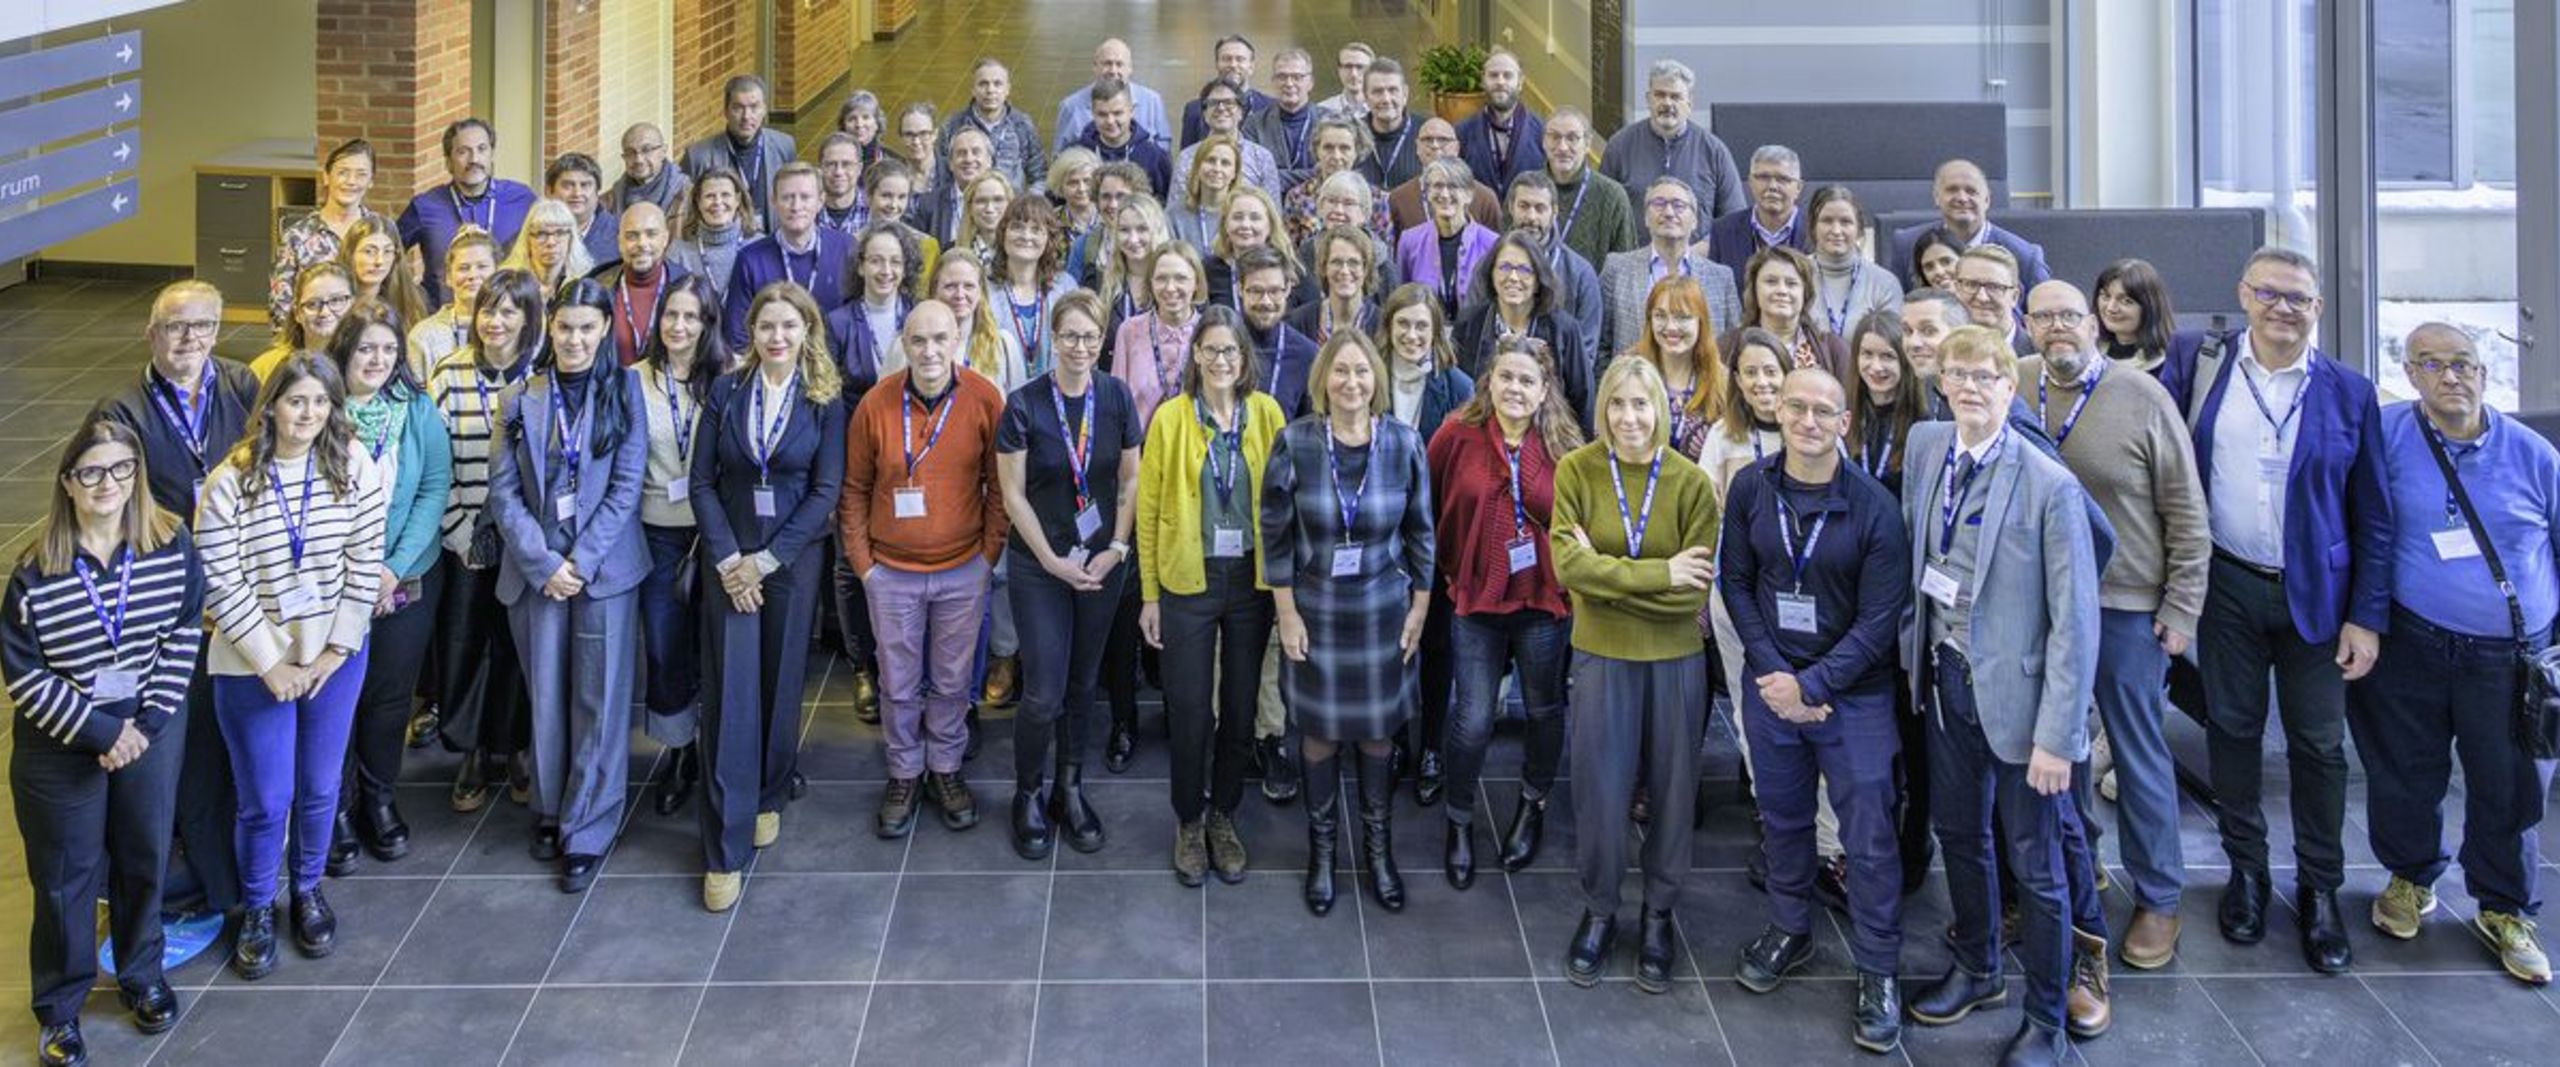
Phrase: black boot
(675, 780)
(1458, 856)
(1955, 996)
(1656, 944)
(62, 1046)
(1279, 768)
(2244, 907)
(1755, 864)
(1073, 815)
(1121, 747)
(975, 734)
(1377, 831)
(1324, 797)
(1033, 836)
(253, 948)
(342, 847)
(1426, 779)
(1589, 953)
(315, 926)
(1528, 823)
(1876, 1022)
(379, 826)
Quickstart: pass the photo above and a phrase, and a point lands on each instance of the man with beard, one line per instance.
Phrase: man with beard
(1669, 142)
(744, 144)
(471, 198)
(1502, 141)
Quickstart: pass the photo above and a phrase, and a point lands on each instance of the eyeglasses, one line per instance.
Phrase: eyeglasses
(2467, 370)
(2065, 318)
(1969, 377)
(1777, 179)
(318, 304)
(1266, 292)
(1227, 353)
(1673, 205)
(1517, 270)
(88, 477)
(1797, 409)
(1451, 188)
(190, 328)
(1079, 340)
(1978, 287)
(1222, 105)
(2271, 298)
(915, 135)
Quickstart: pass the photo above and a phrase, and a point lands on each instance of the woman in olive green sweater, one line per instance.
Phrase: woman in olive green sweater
(1634, 544)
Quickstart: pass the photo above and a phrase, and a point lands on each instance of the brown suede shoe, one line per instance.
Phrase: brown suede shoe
(2086, 1009)
(2150, 940)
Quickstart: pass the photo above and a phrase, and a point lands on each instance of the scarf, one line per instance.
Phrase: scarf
(377, 420)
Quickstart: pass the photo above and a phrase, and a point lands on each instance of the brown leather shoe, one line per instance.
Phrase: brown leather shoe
(1004, 682)
(2086, 1008)
(2150, 940)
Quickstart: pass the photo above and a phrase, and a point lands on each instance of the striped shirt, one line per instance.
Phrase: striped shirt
(267, 607)
(467, 394)
(53, 644)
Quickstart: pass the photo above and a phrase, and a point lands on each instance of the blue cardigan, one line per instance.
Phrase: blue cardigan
(412, 521)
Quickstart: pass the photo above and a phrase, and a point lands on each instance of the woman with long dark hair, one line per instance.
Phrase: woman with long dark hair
(1885, 399)
(291, 527)
(2135, 317)
(99, 634)
(685, 354)
(398, 429)
(564, 492)
(1520, 295)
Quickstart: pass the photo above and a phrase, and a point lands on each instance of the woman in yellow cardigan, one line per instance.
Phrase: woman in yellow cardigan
(1199, 574)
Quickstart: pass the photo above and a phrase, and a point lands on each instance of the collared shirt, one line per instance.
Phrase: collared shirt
(1782, 235)
(2247, 506)
(2513, 477)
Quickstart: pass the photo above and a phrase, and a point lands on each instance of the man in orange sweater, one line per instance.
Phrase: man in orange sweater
(922, 524)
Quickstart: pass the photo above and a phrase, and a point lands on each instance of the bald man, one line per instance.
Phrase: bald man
(1111, 59)
(1963, 196)
(639, 279)
(648, 174)
(1438, 140)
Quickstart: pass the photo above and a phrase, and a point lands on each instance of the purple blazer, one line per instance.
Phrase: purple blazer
(1418, 256)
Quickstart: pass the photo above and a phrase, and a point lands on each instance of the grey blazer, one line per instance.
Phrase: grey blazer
(1623, 287)
(2034, 638)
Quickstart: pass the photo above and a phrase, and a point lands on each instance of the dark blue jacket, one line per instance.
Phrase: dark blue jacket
(1142, 150)
(857, 354)
(806, 472)
(1859, 576)
(1528, 151)
(762, 263)
(1732, 242)
(1286, 356)
(2337, 515)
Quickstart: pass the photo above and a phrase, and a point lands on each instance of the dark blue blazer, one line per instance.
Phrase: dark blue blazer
(1474, 335)
(2032, 270)
(604, 237)
(857, 354)
(1732, 242)
(1528, 150)
(1443, 392)
(761, 263)
(1286, 356)
(2337, 515)
(806, 473)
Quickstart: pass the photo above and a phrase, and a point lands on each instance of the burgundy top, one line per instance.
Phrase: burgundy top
(1476, 524)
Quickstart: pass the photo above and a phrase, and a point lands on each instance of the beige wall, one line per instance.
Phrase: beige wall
(1555, 78)
(215, 74)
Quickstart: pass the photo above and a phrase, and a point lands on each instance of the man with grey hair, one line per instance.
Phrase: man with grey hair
(1777, 189)
(1669, 141)
(1288, 126)
(1111, 62)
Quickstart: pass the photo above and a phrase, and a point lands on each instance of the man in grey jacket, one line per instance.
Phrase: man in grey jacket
(744, 144)
(2003, 654)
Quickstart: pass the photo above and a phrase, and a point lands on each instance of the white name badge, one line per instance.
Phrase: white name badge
(1077, 556)
(907, 503)
(679, 487)
(564, 508)
(764, 502)
(297, 600)
(1524, 555)
(1938, 585)
(1346, 561)
(2456, 543)
(114, 683)
(1796, 613)
(1088, 523)
(1226, 542)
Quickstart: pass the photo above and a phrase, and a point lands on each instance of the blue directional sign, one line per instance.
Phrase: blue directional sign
(63, 220)
(111, 56)
(70, 116)
(30, 180)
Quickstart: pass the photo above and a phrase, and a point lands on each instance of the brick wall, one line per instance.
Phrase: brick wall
(570, 81)
(393, 72)
(813, 43)
(713, 40)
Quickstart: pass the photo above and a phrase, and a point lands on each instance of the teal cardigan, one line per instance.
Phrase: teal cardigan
(411, 528)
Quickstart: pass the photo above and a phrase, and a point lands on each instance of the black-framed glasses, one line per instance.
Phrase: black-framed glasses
(318, 304)
(2468, 370)
(190, 328)
(1978, 287)
(2060, 317)
(2272, 298)
(90, 476)
(1674, 205)
(1079, 340)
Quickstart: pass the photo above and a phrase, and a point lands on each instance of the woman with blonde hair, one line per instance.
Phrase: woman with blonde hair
(548, 248)
(1217, 171)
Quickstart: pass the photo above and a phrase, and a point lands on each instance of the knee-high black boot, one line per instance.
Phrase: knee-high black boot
(1377, 829)
(1324, 803)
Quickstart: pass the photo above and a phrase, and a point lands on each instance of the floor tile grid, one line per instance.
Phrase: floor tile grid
(1546, 1017)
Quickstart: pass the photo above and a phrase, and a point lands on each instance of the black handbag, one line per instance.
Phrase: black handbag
(2537, 722)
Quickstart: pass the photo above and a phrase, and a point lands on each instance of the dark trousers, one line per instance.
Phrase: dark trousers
(582, 658)
(1911, 773)
(1061, 659)
(1485, 647)
(751, 725)
(1969, 784)
(381, 735)
(1121, 651)
(288, 756)
(482, 687)
(1852, 753)
(2245, 633)
(1635, 722)
(88, 832)
(208, 801)
(670, 624)
(2433, 692)
(853, 609)
(1438, 672)
(1218, 634)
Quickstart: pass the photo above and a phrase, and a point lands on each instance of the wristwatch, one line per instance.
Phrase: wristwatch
(1121, 547)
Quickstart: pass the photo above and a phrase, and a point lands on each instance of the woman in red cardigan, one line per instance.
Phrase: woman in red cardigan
(1494, 463)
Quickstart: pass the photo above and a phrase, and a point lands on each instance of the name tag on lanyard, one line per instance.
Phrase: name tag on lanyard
(1088, 522)
(1226, 542)
(1346, 561)
(1796, 613)
(112, 684)
(2456, 543)
(1939, 586)
(679, 487)
(765, 508)
(298, 599)
(1524, 554)
(907, 503)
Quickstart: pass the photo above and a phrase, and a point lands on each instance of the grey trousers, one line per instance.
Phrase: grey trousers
(1634, 721)
(581, 664)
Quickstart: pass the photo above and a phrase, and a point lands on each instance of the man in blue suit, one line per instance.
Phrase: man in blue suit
(2290, 445)
(2002, 652)
(1963, 197)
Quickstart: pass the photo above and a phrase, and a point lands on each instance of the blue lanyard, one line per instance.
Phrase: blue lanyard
(763, 438)
(462, 212)
(380, 443)
(1519, 510)
(1079, 442)
(562, 430)
(1390, 158)
(1167, 379)
(1230, 442)
(1840, 317)
(785, 253)
(1279, 356)
(1565, 228)
(675, 417)
(1796, 561)
(294, 521)
(2268, 413)
(187, 419)
(752, 163)
(1350, 504)
(1881, 456)
(1636, 523)
(2088, 388)
(110, 622)
(1028, 331)
(645, 325)
(907, 429)
(1951, 495)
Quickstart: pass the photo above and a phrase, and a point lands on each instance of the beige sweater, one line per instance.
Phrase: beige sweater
(2132, 453)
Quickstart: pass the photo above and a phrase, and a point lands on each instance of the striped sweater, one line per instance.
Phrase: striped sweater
(467, 395)
(52, 645)
(253, 584)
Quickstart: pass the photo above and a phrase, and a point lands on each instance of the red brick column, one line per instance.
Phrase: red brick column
(713, 41)
(393, 72)
(570, 83)
(813, 48)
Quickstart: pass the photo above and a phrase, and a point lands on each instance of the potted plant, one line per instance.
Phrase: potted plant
(1455, 75)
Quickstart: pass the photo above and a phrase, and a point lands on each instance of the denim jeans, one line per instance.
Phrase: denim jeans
(1484, 647)
(287, 761)
(1968, 784)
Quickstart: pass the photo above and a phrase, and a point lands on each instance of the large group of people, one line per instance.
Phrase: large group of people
(1355, 430)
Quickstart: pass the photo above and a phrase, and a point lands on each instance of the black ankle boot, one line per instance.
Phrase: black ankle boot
(342, 847)
(1589, 953)
(676, 780)
(1377, 830)
(1520, 839)
(1458, 856)
(1324, 796)
(315, 925)
(1074, 816)
(1656, 945)
(253, 949)
(384, 833)
(1033, 835)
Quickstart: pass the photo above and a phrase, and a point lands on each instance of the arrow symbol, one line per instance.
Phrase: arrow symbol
(119, 202)
(123, 151)
(124, 101)
(124, 54)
